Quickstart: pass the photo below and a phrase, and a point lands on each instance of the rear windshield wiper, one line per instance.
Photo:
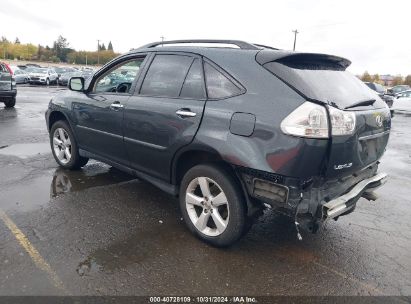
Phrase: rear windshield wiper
(368, 102)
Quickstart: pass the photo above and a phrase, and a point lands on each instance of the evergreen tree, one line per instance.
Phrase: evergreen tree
(110, 46)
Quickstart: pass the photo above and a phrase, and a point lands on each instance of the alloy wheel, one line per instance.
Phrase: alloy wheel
(62, 145)
(207, 206)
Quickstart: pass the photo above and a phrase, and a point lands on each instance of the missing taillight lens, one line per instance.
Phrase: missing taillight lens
(308, 120)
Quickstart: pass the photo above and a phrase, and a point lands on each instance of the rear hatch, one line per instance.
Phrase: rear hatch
(5, 78)
(323, 79)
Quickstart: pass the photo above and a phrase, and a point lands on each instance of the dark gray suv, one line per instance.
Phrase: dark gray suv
(230, 130)
(8, 89)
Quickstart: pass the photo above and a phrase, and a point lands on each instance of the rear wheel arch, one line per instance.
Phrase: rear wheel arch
(187, 159)
(203, 156)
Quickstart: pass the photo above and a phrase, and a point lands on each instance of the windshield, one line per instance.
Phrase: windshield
(337, 87)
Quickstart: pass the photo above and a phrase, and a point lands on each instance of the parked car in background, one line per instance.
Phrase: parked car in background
(8, 89)
(398, 89)
(42, 76)
(230, 131)
(63, 70)
(402, 103)
(20, 76)
(65, 78)
(381, 92)
(33, 65)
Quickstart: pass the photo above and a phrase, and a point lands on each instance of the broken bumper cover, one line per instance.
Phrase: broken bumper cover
(346, 202)
(311, 203)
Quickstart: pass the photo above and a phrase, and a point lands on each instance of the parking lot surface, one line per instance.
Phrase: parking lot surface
(99, 231)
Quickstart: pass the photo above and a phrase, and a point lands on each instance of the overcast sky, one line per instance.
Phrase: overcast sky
(374, 35)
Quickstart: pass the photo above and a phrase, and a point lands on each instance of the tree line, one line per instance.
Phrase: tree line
(60, 51)
(397, 80)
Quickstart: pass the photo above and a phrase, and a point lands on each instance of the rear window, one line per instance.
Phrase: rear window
(379, 88)
(324, 82)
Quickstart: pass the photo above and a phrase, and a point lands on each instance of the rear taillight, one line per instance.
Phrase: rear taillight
(342, 122)
(310, 120)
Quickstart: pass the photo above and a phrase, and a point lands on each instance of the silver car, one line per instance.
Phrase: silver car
(402, 102)
(42, 76)
(21, 76)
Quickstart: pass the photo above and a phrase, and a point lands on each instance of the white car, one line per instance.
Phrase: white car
(43, 76)
(402, 102)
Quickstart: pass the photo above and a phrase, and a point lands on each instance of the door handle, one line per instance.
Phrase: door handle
(116, 105)
(185, 113)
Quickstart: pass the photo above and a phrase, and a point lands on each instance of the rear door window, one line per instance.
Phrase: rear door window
(166, 76)
(218, 85)
(193, 86)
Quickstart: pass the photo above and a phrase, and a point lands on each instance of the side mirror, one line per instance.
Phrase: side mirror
(76, 84)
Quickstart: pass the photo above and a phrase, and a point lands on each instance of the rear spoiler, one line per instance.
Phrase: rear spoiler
(303, 60)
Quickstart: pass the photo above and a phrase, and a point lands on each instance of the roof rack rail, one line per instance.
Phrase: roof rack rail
(241, 44)
(265, 46)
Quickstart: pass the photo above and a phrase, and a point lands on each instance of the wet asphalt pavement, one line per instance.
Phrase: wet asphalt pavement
(99, 231)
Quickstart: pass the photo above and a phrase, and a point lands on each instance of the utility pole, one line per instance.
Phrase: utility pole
(98, 52)
(162, 40)
(295, 38)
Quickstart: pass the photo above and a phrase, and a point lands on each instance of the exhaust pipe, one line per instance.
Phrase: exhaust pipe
(342, 204)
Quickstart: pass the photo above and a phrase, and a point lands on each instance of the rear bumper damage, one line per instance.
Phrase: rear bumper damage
(346, 202)
(311, 202)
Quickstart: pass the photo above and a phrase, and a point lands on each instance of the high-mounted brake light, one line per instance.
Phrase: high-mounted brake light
(310, 120)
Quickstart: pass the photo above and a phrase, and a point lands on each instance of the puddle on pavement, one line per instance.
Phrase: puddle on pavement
(93, 175)
(26, 150)
(37, 191)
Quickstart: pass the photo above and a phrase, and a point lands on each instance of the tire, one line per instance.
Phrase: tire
(203, 209)
(62, 140)
(10, 103)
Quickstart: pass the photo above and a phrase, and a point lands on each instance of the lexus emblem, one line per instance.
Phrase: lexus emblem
(378, 120)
